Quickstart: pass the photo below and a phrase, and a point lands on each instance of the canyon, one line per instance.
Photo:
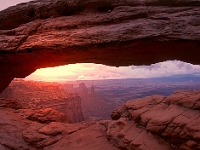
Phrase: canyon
(49, 119)
(38, 95)
(48, 33)
(149, 123)
(60, 32)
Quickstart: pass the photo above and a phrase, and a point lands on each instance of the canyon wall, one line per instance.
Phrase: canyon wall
(37, 95)
(93, 107)
(151, 123)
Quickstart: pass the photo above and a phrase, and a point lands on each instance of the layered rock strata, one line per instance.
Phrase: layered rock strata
(149, 123)
(93, 108)
(39, 95)
(157, 119)
(18, 132)
(51, 33)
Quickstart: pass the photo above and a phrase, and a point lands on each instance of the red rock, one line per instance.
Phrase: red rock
(18, 133)
(37, 95)
(85, 139)
(59, 32)
(163, 125)
(48, 115)
(32, 137)
(126, 135)
(92, 106)
(172, 119)
(10, 103)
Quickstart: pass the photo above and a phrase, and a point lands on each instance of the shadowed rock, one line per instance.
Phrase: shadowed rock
(118, 33)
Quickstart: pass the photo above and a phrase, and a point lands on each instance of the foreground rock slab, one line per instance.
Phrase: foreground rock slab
(173, 119)
(150, 123)
(19, 133)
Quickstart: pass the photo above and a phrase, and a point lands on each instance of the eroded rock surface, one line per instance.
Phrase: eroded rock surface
(51, 33)
(19, 133)
(37, 95)
(149, 123)
(173, 119)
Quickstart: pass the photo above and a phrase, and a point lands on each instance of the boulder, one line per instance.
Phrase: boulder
(47, 115)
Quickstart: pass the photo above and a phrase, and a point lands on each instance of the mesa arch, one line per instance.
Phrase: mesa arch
(111, 32)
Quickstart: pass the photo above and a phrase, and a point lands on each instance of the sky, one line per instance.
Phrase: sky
(96, 71)
(7, 3)
(89, 71)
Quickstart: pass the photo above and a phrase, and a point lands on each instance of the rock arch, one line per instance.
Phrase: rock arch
(115, 32)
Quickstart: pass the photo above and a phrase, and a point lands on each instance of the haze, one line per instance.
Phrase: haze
(89, 71)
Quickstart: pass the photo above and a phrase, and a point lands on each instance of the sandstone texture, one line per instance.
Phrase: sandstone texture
(40, 95)
(19, 133)
(150, 123)
(112, 32)
(10, 103)
(139, 123)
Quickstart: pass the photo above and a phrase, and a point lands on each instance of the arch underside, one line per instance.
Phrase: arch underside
(112, 33)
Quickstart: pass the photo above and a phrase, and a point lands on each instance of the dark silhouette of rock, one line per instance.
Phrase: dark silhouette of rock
(52, 33)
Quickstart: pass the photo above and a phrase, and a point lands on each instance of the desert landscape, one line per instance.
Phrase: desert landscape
(123, 113)
(157, 113)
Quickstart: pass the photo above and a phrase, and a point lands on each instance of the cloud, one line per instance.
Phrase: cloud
(166, 68)
(88, 71)
(7, 3)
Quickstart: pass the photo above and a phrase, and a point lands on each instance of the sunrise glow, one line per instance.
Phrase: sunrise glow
(89, 71)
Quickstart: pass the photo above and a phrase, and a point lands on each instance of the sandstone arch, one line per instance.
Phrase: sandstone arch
(115, 32)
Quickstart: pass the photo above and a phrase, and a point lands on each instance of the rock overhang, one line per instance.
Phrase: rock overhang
(118, 33)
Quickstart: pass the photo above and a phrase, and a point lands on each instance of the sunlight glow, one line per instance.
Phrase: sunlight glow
(89, 71)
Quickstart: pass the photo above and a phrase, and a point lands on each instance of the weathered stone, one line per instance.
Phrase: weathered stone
(126, 135)
(37, 95)
(47, 115)
(85, 139)
(32, 137)
(51, 33)
(9, 103)
(172, 119)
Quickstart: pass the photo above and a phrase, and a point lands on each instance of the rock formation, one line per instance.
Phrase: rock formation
(150, 123)
(115, 32)
(59, 32)
(153, 121)
(37, 95)
(93, 108)
(18, 132)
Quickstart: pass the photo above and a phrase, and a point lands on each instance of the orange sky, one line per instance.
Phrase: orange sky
(89, 71)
